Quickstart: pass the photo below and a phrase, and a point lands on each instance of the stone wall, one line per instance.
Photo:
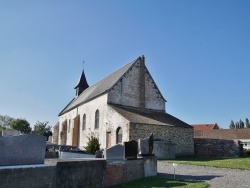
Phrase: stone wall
(181, 137)
(124, 171)
(33, 176)
(78, 173)
(129, 90)
(216, 148)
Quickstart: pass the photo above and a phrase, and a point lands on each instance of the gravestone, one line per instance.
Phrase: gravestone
(10, 132)
(131, 149)
(146, 145)
(22, 150)
(115, 152)
(98, 154)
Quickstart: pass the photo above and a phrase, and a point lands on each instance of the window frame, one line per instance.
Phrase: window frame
(97, 119)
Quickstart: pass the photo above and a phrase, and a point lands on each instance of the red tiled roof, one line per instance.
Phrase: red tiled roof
(205, 126)
(223, 134)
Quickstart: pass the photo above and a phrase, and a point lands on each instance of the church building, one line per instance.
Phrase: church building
(126, 105)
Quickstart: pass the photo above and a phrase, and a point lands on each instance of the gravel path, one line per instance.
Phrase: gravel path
(216, 177)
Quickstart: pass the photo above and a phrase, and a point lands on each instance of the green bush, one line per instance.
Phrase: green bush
(92, 145)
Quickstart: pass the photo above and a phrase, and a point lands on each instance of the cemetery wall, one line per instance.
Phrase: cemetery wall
(82, 173)
(122, 171)
(181, 137)
(12, 177)
(216, 148)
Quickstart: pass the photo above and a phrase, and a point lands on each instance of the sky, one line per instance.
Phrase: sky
(198, 53)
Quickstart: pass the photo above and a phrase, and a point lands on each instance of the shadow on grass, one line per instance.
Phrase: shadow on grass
(162, 183)
(187, 177)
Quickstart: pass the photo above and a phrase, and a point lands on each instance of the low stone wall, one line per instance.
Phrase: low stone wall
(164, 150)
(89, 173)
(216, 148)
(27, 176)
(122, 171)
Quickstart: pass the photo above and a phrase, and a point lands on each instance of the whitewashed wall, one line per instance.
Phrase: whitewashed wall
(127, 91)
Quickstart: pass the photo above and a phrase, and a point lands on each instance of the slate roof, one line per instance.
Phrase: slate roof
(152, 117)
(98, 88)
(82, 82)
(205, 126)
(223, 134)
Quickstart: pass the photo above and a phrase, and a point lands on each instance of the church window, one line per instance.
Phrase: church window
(84, 122)
(119, 135)
(69, 125)
(97, 119)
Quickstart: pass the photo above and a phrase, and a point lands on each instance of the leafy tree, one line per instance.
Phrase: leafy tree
(232, 125)
(43, 128)
(247, 123)
(5, 122)
(237, 125)
(92, 145)
(242, 125)
(21, 125)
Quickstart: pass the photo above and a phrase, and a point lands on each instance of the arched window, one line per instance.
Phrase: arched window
(97, 119)
(69, 125)
(119, 135)
(84, 122)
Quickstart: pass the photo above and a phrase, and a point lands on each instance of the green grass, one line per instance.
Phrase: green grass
(235, 163)
(159, 182)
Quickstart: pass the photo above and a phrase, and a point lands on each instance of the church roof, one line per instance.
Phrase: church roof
(136, 115)
(98, 88)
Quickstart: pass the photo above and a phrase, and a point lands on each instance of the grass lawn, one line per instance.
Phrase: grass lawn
(159, 182)
(235, 163)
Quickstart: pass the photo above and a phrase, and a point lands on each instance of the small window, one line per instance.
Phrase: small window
(97, 119)
(69, 125)
(84, 122)
(119, 135)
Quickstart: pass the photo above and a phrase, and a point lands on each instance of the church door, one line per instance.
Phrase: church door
(108, 144)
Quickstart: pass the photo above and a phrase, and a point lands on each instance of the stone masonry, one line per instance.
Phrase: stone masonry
(184, 143)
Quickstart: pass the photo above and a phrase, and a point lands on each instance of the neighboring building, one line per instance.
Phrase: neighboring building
(126, 105)
(205, 126)
(242, 135)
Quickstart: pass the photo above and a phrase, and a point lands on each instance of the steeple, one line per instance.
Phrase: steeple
(82, 84)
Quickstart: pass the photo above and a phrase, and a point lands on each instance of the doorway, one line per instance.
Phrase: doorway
(108, 144)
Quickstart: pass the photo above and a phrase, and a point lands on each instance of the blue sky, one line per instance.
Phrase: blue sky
(198, 53)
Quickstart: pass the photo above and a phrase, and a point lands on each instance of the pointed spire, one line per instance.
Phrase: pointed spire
(82, 84)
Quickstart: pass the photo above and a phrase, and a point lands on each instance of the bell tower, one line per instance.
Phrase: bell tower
(82, 84)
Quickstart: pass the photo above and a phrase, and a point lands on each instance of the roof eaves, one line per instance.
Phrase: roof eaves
(62, 112)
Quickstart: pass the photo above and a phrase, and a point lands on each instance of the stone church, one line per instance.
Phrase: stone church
(125, 105)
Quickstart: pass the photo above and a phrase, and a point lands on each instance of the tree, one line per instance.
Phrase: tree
(232, 125)
(242, 125)
(43, 128)
(5, 122)
(237, 125)
(247, 123)
(21, 125)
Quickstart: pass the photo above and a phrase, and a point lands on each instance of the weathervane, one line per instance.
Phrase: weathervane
(83, 63)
